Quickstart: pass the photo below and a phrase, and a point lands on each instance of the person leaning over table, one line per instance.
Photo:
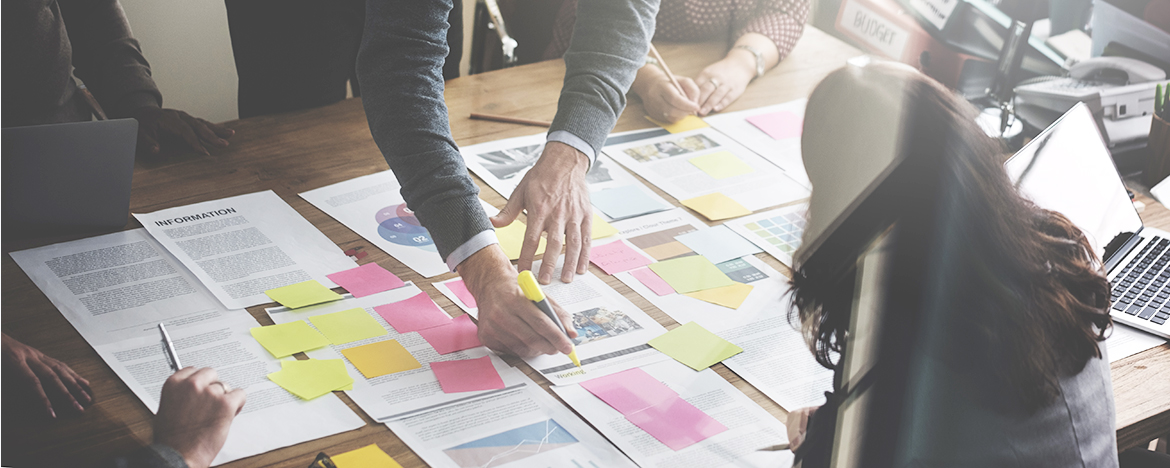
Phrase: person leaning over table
(195, 410)
(47, 42)
(763, 32)
(1025, 376)
(400, 72)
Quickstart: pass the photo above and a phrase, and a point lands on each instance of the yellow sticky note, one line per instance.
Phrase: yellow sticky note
(687, 124)
(512, 240)
(307, 293)
(728, 296)
(347, 326)
(313, 378)
(690, 274)
(370, 456)
(289, 338)
(722, 165)
(381, 358)
(602, 228)
(716, 206)
(695, 346)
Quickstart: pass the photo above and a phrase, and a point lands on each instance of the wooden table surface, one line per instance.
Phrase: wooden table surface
(295, 152)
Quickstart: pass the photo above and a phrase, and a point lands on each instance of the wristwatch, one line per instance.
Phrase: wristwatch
(759, 58)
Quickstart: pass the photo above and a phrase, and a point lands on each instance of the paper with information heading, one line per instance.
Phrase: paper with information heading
(502, 163)
(750, 427)
(398, 394)
(783, 152)
(116, 288)
(669, 162)
(372, 207)
(517, 427)
(241, 246)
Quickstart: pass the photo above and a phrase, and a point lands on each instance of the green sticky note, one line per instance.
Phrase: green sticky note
(307, 293)
(690, 274)
(313, 378)
(289, 338)
(694, 346)
(347, 326)
(722, 165)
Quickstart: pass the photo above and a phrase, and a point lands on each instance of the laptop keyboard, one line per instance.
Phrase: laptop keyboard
(1139, 289)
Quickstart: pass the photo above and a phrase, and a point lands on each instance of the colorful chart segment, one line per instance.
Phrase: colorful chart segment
(782, 231)
(509, 446)
(397, 224)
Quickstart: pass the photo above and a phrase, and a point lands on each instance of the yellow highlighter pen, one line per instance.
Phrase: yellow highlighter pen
(533, 293)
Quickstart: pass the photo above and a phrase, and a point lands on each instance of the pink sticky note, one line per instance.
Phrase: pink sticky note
(616, 257)
(630, 391)
(460, 290)
(458, 335)
(366, 279)
(414, 314)
(779, 125)
(651, 280)
(468, 375)
(676, 423)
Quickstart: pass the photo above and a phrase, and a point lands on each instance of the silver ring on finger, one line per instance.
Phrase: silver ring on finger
(227, 388)
(715, 82)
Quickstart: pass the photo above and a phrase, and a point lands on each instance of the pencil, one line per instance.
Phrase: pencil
(665, 68)
(506, 119)
(774, 448)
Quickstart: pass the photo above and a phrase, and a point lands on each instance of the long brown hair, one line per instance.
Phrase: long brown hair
(1035, 300)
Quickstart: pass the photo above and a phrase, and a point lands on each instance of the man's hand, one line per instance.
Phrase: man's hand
(40, 373)
(798, 426)
(557, 200)
(195, 413)
(154, 124)
(508, 321)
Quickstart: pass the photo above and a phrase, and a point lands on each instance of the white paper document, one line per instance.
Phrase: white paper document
(519, 427)
(611, 331)
(781, 120)
(1125, 341)
(372, 207)
(503, 163)
(750, 427)
(400, 394)
(704, 161)
(444, 288)
(115, 289)
(241, 246)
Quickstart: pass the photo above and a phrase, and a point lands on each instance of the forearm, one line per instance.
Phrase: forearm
(746, 59)
(400, 70)
(609, 45)
(107, 57)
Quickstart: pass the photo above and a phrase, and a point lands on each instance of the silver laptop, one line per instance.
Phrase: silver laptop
(1067, 169)
(68, 178)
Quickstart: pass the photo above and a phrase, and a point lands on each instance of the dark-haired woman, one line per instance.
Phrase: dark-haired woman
(1023, 377)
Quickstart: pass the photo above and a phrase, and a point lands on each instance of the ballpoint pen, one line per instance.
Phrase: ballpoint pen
(533, 293)
(169, 346)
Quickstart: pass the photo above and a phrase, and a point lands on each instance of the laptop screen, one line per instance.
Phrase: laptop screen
(1068, 169)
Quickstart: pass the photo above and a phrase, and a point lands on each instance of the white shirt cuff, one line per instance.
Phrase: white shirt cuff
(576, 142)
(473, 245)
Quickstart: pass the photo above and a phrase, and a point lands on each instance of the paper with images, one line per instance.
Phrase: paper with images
(241, 246)
(512, 428)
(665, 161)
(396, 394)
(503, 163)
(781, 146)
(779, 232)
(750, 427)
(654, 234)
(372, 207)
(611, 331)
(116, 288)
(775, 358)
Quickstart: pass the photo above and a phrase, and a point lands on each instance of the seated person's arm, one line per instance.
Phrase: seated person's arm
(108, 59)
(773, 32)
(53, 383)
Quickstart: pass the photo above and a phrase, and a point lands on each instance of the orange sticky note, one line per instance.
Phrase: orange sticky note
(716, 206)
(687, 124)
(370, 456)
(728, 296)
(381, 358)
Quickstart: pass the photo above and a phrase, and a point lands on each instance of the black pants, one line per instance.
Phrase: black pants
(299, 54)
